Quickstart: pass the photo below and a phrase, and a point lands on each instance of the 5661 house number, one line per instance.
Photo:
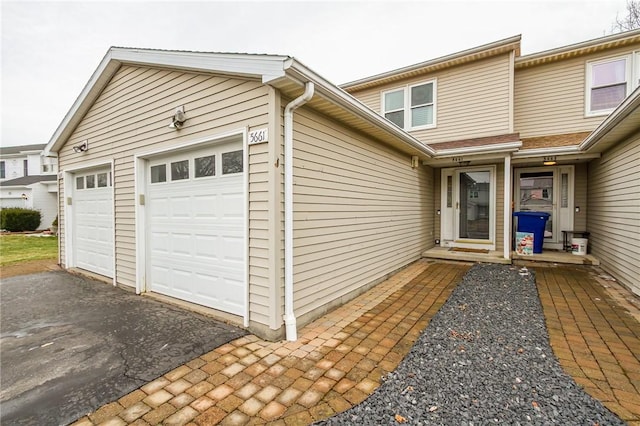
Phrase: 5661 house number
(258, 136)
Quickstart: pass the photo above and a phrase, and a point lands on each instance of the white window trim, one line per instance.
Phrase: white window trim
(407, 104)
(629, 77)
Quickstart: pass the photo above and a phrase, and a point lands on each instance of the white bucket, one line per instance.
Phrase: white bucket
(579, 246)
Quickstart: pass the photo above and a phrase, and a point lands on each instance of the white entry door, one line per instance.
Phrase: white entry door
(92, 208)
(196, 227)
(549, 190)
(468, 207)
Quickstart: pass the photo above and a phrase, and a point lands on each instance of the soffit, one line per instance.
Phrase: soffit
(580, 49)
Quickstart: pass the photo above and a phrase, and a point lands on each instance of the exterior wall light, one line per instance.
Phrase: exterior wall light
(178, 119)
(84, 146)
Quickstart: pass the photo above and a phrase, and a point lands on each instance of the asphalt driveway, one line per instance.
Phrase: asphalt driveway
(69, 345)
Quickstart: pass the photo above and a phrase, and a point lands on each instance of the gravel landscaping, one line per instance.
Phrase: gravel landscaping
(484, 359)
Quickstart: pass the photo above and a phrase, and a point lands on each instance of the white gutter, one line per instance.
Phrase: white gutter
(289, 316)
(628, 106)
(493, 148)
(326, 90)
(540, 152)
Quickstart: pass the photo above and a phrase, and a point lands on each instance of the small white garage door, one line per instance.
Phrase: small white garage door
(92, 207)
(195, 222)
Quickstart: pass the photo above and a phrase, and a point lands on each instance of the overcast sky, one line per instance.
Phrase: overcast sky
(50, 49)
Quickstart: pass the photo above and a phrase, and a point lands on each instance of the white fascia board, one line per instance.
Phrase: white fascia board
(576, 46)
(265, 67)
(441, 60)
(99, 79)
(299, 72)
(630, 105)
(544, 152)
(484, 149)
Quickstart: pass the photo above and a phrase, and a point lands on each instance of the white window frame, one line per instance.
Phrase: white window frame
(630, 78)
(407, 104)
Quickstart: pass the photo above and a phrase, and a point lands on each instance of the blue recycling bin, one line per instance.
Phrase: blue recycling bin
(534, 222)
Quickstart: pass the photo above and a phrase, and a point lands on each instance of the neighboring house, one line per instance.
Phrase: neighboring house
(490, 112)
(28, 179)
(251, 185)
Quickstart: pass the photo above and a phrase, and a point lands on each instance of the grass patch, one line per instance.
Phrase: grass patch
(21, 248)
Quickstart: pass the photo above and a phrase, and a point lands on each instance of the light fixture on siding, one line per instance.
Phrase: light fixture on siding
(415, 161)
(83, 147)
(178, 119)
(549, 161)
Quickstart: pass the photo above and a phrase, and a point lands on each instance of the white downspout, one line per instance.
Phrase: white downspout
(289, 316)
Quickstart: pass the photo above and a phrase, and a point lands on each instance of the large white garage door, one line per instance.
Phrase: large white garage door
(92, 207)
(195, 221)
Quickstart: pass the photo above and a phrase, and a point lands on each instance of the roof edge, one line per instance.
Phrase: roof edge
(499, 46)
(264, 67)
(482, 149)
(336, 94)
(577, 49)
(630, 104)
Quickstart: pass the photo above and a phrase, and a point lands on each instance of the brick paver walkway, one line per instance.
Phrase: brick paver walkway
(596, 340)
(337, 362)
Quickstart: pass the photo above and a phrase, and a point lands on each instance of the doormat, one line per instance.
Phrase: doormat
(469, 250)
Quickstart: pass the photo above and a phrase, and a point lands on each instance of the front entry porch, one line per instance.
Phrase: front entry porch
(492, 256)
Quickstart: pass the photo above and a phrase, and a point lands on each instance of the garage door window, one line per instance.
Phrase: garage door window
(91, 181)
(180, 170)
(205, 166)
(102, 180)
(232, 162)
(159, 173)
(80, 182)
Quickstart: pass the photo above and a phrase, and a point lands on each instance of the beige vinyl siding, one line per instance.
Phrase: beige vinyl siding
(550, 98)
(260, 298)
(132, 115)
(614, 211)
(580, 197)
(471, 100)
(360, 211)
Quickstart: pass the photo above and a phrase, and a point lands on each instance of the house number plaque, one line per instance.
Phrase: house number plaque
(258, 136)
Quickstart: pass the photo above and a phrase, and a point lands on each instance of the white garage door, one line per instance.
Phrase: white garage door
(195, 221)
(93, 222)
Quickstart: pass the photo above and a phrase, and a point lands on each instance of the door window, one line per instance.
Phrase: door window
(475, 197)
(536, 195)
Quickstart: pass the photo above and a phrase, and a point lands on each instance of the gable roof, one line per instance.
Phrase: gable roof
(282, 72)
(10, 150)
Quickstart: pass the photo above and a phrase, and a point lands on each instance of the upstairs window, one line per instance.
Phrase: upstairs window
(411, 107)
(2, 170)
(608, 83)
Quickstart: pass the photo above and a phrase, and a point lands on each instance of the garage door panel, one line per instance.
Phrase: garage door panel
(206, 247)
(205, 206)
(198, 227)
(93, 225)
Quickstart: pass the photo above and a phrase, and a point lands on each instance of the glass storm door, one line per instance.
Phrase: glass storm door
(474, 212)
(549, 190)
(468, 207)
